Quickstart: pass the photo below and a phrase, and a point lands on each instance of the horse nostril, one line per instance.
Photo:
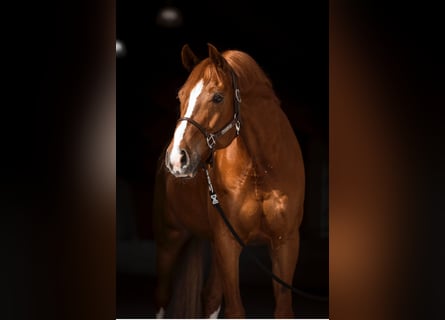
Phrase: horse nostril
(184, 159)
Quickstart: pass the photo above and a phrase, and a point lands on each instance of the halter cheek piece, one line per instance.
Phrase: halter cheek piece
(210, 137)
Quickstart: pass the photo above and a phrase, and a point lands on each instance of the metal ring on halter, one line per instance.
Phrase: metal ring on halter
(238, 95)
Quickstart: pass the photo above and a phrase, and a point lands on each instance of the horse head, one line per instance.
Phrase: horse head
(209, 112)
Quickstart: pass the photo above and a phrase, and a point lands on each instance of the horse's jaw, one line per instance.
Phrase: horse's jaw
(179, 175)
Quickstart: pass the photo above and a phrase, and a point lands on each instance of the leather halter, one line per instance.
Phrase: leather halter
(210, 137)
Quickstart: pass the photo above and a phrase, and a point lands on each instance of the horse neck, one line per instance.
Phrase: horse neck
(264, 126)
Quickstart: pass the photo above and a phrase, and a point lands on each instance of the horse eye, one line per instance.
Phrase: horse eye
(217, 98)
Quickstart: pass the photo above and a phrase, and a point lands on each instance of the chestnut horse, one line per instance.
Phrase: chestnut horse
(231, 124)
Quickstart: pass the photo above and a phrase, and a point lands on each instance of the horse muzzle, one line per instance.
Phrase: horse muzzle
(181, 163)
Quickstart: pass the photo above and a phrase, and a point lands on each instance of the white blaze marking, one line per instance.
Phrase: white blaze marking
(160, 314)
(215, 314)
(175, 155)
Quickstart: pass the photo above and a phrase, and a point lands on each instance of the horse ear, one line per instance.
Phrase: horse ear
(216, 56)
(189, 59)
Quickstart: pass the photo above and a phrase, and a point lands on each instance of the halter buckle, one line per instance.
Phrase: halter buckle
(211, 141)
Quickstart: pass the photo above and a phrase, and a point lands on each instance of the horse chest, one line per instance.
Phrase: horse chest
(258, 213)
(188, 208)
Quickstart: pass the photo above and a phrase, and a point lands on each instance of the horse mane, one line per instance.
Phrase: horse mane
(249, 73)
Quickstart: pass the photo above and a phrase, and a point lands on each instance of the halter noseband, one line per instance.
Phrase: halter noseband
(212, 137)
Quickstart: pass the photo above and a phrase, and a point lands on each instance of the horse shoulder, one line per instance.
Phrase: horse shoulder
(280, 213)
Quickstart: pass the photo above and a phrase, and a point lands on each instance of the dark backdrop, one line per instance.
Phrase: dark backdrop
(290, 42)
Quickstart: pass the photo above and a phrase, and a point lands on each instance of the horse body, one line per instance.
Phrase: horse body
(258, 176)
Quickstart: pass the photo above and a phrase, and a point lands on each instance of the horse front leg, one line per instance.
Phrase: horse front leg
(284, 255)
(213, 292)
(168, 247)
(226, 251)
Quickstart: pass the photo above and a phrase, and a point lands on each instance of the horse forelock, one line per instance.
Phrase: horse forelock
(205, 72)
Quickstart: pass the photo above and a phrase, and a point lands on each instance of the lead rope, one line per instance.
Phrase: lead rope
(216, 204)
